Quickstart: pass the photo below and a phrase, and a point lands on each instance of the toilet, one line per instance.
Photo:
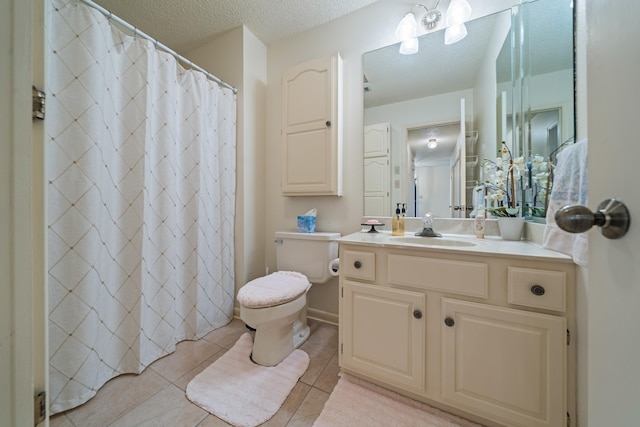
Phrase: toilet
(276, 305)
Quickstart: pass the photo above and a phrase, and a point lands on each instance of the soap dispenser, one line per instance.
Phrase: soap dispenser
(404, 213)
(395, 223)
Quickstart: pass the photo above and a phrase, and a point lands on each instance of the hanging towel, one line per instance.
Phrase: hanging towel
(569, 188)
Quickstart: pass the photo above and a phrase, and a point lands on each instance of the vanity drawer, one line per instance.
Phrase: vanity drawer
(537, 288)
(457, 277)
(359, 265)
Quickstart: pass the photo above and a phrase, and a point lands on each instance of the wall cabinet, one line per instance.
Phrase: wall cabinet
(312, 128)
(482, 336)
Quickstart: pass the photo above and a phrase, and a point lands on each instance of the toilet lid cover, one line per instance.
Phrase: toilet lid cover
(276, 288)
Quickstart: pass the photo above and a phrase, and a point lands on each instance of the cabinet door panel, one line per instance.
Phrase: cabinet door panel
(507, 364)
(382, 337)
(312, 128)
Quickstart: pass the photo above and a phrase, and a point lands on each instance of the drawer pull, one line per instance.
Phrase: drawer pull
(357, 264)
(537, 290)
(417, 314)
(449, 321)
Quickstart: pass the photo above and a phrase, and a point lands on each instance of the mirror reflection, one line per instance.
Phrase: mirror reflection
(432, 117)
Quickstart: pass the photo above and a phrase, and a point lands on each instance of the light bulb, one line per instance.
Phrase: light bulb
(455, 33)
(459, 12)
(409, 47)
(407, 27)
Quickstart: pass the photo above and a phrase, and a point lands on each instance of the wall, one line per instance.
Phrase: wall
(239, 58)
(370, 28)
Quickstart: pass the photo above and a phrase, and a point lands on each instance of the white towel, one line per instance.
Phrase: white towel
(569, 188)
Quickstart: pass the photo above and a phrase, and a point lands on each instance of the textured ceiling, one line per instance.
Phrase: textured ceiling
(186, 24)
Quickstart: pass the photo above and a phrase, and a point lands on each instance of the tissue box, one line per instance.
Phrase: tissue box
(306, 224)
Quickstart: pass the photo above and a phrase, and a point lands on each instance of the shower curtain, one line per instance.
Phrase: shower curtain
(140, 159)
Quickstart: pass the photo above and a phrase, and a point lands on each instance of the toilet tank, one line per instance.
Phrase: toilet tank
(307, 253)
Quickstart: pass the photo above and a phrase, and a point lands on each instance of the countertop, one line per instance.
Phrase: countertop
(489, 246)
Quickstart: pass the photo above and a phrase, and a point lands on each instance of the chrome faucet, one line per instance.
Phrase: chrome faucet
(427, 231)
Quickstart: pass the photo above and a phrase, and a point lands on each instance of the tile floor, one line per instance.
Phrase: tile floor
(157, 396)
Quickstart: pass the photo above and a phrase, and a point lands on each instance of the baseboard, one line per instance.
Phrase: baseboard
(322, 316)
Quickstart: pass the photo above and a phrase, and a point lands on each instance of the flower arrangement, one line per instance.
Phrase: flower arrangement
(509, 177)
(500, 187)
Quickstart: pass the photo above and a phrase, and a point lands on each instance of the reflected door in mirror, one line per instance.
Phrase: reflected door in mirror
(376, 170)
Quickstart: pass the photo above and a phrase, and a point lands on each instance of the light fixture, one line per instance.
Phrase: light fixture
(455, 33)
(459, 12)
(410, 46)
(407, 27)
(432, 143)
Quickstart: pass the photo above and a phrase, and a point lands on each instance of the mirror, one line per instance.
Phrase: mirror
(467, 98)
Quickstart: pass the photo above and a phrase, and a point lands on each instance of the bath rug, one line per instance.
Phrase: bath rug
(355, 402)
(241, 392)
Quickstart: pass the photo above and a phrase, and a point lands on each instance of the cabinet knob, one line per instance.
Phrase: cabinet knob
(357, 264)
(537, 290)
(449, 321)
(328, 123)
(417, 314)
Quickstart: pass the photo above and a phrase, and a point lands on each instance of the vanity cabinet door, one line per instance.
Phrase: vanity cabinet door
(503, 364)
(383, 334)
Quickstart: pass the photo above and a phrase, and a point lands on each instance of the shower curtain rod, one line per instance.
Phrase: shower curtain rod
(157, 44)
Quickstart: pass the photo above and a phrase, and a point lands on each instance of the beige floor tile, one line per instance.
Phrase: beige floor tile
(319, 357)
(59, 420)
(187, 356)
(309, 409)
(228, 335)
(184, 380)
(116, 398)
(213, 421)
(329, 376)
(289, 407)
(157, 398)
(168, 408)
(323, 334)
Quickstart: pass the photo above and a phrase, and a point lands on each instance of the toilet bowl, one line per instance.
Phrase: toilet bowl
(276, 305)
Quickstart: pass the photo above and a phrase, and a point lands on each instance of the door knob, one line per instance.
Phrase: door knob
(612, 217)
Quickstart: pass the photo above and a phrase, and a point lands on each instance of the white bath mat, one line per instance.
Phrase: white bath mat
(354, 402)
(242, 393)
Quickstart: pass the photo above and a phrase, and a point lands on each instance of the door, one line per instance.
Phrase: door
(613, 281)
(23, 357)
(376, 187)
(508, 364)
(383, 334)
(377, 177)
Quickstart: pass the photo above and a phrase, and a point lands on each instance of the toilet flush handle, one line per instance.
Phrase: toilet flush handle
(278, 241)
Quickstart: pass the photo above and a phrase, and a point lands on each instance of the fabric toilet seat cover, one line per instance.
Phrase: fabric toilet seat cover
(275, 289)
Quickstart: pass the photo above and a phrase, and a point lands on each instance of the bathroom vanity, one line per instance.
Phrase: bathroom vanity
(483, 328)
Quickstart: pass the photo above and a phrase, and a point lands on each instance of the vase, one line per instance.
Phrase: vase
(511, 227)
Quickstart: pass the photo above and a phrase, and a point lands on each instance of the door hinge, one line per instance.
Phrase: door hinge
(568, 337)
(568, 420)
(341, 292)
(37, 98)
(341, 348)
(39, 407)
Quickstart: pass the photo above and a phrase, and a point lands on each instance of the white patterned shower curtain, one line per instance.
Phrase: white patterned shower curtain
(140, 159)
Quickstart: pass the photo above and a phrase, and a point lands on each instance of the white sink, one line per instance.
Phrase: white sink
(430, 241)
